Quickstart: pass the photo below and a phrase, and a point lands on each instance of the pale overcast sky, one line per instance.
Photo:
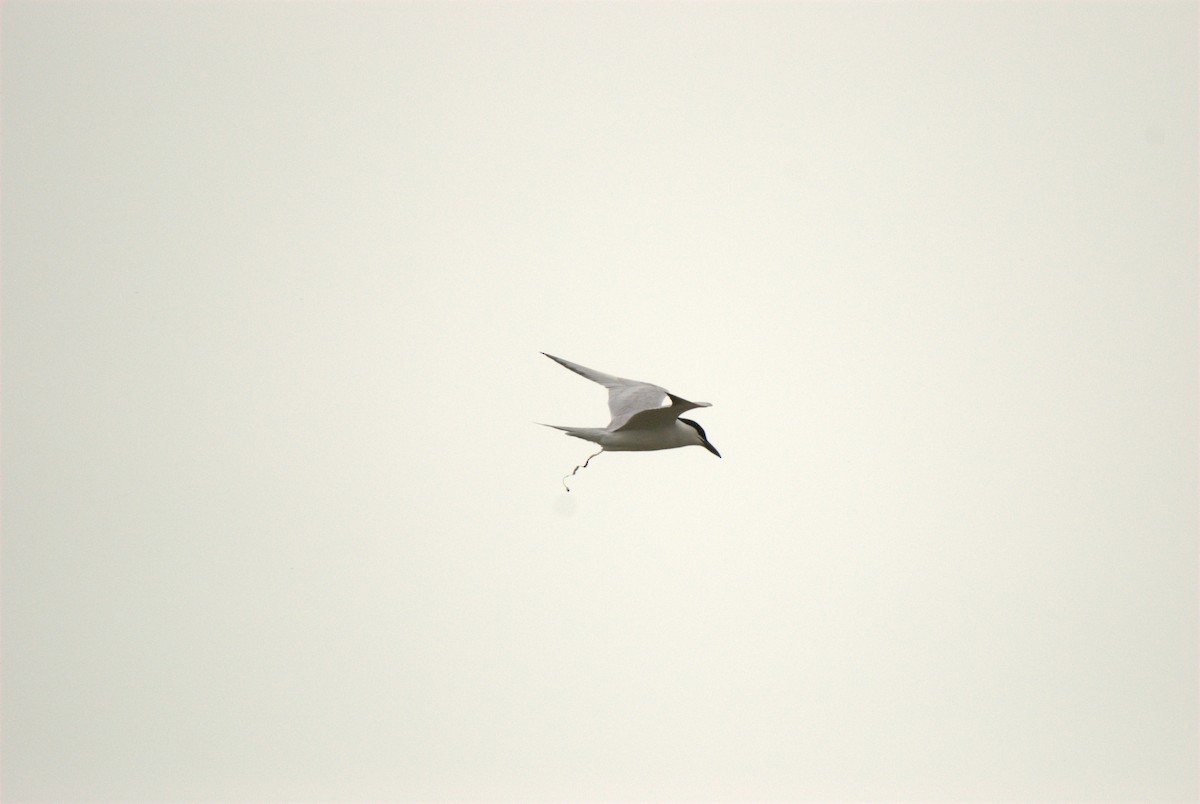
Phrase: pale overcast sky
(278, 524)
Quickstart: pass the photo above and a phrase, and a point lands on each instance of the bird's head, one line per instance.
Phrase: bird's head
(700, 439)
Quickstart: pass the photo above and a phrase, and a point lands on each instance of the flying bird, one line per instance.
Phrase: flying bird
(644, 417)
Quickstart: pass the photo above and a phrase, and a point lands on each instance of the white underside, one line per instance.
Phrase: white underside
(679, 435)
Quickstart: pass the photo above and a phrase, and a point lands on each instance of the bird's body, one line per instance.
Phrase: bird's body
(679, 435)
(644, 416)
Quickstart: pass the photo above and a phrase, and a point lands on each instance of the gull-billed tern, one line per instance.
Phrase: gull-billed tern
(644, 417)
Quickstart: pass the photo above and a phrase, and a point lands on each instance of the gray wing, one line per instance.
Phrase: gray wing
(626, 398)
(657, 417)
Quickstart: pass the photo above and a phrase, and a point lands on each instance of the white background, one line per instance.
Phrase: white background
(278, 524)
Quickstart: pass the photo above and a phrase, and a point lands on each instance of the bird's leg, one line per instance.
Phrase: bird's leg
(577, 468)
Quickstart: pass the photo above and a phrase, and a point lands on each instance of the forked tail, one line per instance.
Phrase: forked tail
(592, 434)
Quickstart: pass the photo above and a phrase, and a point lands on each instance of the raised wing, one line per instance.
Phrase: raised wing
(659, 416)
(626, 398)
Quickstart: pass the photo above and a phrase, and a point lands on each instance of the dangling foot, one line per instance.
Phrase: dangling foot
(577, 468)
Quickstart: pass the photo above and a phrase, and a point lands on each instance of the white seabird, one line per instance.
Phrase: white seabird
(644, 416)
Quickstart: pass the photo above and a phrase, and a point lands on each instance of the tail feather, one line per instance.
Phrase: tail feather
(586, 433)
